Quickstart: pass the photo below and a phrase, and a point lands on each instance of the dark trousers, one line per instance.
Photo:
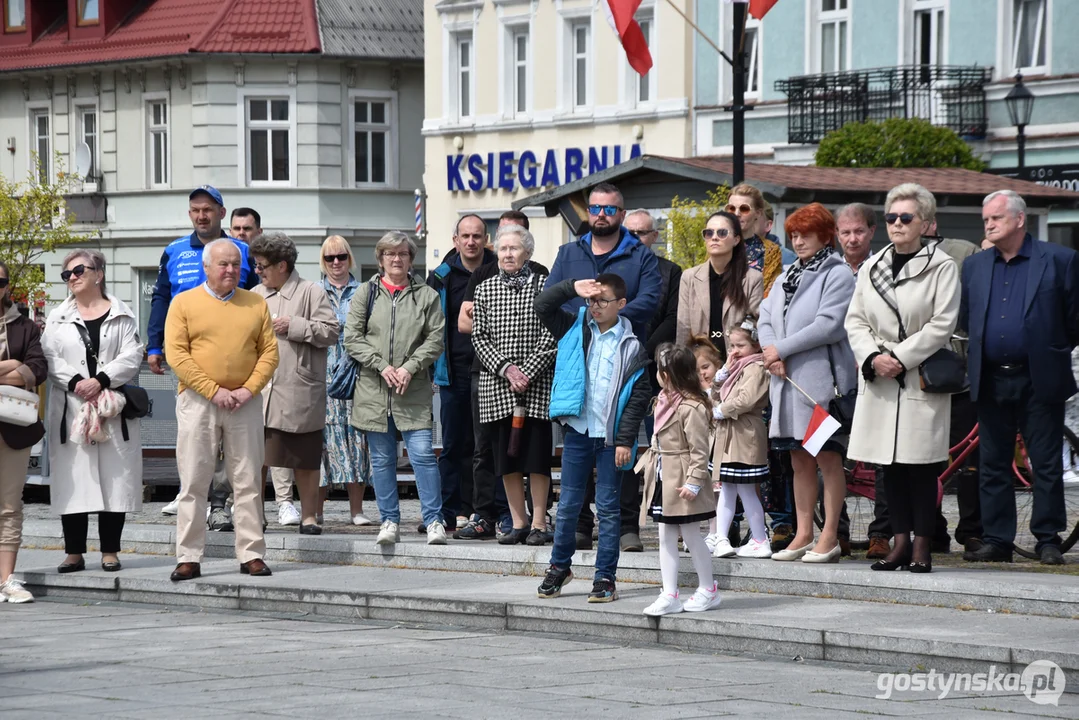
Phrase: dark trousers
(110, 526)
(778, 490)
(912, 496)
(488, 493)
(458, 448)
(1007, 405)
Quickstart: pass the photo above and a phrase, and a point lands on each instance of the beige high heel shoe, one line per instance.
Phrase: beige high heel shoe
(789, 554)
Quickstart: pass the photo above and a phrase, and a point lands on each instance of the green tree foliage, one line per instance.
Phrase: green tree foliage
(896, 143)
(685, 222)
(34, 221)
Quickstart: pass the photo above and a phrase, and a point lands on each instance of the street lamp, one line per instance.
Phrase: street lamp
(1020, 104)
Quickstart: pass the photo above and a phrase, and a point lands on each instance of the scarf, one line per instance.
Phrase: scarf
(518, 279)
(793, 278)
(666, 404)
(89, 423)
(736, 374)
(10, 315)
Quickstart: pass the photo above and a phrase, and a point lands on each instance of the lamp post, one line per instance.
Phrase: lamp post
(1020, 104)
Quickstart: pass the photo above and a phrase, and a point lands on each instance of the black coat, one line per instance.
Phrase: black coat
(24, 345)
(664, 323)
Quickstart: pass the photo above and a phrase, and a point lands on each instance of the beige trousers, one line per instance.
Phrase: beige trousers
(282, 484)
(13, 465)
(200, 427)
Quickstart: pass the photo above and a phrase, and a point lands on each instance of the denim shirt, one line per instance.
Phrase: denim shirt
(601, 361)
(340, 301)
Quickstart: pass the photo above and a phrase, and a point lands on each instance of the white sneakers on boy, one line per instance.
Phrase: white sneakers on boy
(703, 600)
(665, 604)
(723, 548)
(388, 534)
(754, 549)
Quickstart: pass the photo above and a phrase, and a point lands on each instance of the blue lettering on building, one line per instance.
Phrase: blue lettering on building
(509, 170)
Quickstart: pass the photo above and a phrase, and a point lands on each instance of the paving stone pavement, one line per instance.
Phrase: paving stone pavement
(95, 660)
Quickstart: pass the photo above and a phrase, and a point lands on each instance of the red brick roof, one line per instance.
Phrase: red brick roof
(939, 181)
(166, 28)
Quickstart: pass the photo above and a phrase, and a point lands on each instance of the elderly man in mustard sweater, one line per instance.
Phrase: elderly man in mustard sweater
(220, 343)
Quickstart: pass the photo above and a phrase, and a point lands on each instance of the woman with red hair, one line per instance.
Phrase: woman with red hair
(802, 334)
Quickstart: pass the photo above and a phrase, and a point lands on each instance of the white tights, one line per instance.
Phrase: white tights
(668, 555)
(751, 505)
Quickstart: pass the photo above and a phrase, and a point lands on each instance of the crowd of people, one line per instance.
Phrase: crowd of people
(722, 363)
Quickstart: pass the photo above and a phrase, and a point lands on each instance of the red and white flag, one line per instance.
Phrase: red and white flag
(821, 427)
(758, 8)
(620, 17)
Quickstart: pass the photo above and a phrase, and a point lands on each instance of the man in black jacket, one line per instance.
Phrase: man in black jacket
(660, 330)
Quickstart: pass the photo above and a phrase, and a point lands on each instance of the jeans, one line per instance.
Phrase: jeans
(1006, 404)
(629, 497)
(778, 489)
(383, 447)
(580, 454)
(458, 448)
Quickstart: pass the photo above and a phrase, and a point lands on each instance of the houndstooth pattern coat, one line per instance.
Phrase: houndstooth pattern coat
(506, 331)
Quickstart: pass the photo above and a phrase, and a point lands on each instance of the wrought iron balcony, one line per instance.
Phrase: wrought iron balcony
(946, 95)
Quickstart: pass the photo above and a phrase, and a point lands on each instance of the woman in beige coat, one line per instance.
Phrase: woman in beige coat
(904, 309)
(720, 293)
(295, 400)
(677, 489)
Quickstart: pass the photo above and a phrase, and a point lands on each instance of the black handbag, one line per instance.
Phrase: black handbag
(841, 407)
(944, 373)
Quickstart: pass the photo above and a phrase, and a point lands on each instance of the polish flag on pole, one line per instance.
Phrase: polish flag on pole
(758, 8)
(821, 427)
(620, 17)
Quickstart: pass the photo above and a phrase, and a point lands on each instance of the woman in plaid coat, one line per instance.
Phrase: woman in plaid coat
(517, 355)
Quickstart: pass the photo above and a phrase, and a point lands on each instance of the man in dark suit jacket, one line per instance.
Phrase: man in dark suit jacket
(1020, 306)
(660, 330)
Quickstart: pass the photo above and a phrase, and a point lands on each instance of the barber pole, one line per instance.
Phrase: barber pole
(419, 213)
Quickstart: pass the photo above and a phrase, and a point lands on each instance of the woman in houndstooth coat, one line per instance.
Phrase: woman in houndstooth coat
(517, 355)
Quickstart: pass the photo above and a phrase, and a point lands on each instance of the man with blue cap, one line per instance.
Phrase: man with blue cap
(181, 269)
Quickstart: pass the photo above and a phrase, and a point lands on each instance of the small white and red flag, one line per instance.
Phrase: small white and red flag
(821, 427)
(620, 17)
(757, 8)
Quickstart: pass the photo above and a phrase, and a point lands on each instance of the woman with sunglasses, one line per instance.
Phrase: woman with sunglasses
(346, 461)
(802, 336)
(92, 344)
(720, 293)
(763, 250)
(904, 309)
(22, 365)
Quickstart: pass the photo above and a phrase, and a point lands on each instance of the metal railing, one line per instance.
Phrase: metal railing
(946, 95)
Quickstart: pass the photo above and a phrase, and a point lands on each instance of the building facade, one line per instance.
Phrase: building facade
(816, 64)
(306, 112)
(523, 95)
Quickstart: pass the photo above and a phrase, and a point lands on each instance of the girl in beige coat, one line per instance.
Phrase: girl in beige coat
(740, 454)
(676, 479)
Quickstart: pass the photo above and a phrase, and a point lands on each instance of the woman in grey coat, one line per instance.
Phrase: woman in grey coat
(801, 331)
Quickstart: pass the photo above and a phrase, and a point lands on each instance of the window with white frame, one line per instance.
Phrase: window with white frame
(580, 63)
(753, 57)
(88, 133)
(269, 141)
(157, 142)
(833, 28)
(41, 142)
(646, 91)
(519, 97)
(1028, 35)
(372, 138)
(463, 75)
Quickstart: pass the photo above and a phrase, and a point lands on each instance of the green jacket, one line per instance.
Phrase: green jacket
(405, 331)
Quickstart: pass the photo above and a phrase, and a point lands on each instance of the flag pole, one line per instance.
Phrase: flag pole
(799, 389)
(700, 32)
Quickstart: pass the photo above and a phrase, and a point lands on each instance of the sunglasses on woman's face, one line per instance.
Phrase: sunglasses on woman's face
(720, 233)
(905, 218)
(739, 210)
(77, 271)
(339, 257)
(3, 282)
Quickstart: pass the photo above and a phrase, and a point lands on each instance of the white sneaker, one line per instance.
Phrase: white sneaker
(436, 534)
(172, 508)
(723, 548)
(287, 514)
(754, 549)
(704, 599)
(710, 540)
(388, 534)
(13, 592)
(665, 604)
(361, 519)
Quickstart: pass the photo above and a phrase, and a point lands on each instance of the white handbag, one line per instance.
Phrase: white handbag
(17, 406)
